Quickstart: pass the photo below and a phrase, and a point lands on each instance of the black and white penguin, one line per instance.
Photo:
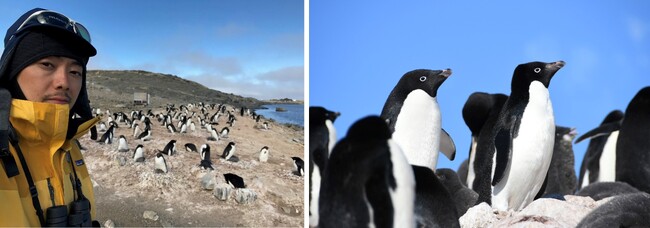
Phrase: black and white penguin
(122, 146)
(107, 137)
(206, 162)
(265, 126)
(413, 116)
(136, 130)
(633, 145)
(322, 137)
(630, 210)
(171, 128)
(190, 147)
(264, 154)
(234, 181)
(145, 135)
(378, 182)
(214, 136)
(229, 151)
(480, 110)
(102, 127)
(599, 161)
(462, 196)
(183, 128)
(561, 179)
(298, 166)
(602, 190)
(160, 164)
(224, 132)
(518, 150)
(138, 153)
(170, 148)
(434, 205)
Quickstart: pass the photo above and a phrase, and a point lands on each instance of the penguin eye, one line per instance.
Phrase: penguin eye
(423, 78)
(537, 70)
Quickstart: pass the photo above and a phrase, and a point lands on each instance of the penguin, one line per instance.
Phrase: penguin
(107, 137)
(462, 197)
(138, 153)
(145, 135)
(265, 126)
(170, 148)
(171, 128)
(234, 181)
(630, 210)
(102, 127)
(434, 205)
(298, 166)
(258, 118)
(561, 177)
(413, 116)
(515, 155)
(599, 161)
(462, 172)
(206, 162)
(224, 132)
(192, 126)
(183, 128)
(322, 137)
(160, 164)
(229, 151)
(190, 147)
(602, 190)
(214, 136)
(136, 130)
(481, 110)
(264, 154)
(633, 143)
(122, 146)
(378, 182)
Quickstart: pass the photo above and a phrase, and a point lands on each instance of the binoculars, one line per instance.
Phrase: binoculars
(58, 216)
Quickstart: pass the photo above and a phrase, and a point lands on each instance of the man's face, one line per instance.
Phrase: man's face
(53, 79)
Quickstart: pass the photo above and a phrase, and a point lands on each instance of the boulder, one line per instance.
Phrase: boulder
(245, 196)
(222, 191)
(478, 216)
(208, 181)
(151, 215)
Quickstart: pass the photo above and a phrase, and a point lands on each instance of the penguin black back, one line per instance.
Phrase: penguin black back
(633, 145)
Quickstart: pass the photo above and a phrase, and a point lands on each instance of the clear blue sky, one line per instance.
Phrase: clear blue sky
(359, 50)
(253, 48)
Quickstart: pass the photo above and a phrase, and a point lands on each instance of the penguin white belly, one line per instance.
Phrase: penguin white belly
(417, 129)
(532, 151)
(585, 179)
(315, 194)
(332, 136)
(607, 162)
(470, 165)
(403, 196)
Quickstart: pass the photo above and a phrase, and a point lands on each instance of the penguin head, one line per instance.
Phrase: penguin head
(369, 128)
(205, 148)
(534, 71)
(476, 111)
(426, 80)
(318, 115)
(613, 116)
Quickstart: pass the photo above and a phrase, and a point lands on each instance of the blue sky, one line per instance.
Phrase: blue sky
(253, 48)
(359, 50)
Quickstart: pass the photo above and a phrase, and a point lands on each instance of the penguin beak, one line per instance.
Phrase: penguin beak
(446, 73)
(555, 66)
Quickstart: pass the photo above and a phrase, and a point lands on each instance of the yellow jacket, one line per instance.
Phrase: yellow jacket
(41, 128)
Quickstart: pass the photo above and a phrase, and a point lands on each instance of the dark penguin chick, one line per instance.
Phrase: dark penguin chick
(190, 147)
(561, 177)
(234, 181)
(601, 190)
(206, 162)
(521, 141)
(434, 205)
(170, 148)
(376, 178)
(138, 153)
(462, 197)
(160, 164)
(298, 166)
(413, 116)
(322, 136)
(481, 111)
(630, 210)
(602, 142)
(633, 145)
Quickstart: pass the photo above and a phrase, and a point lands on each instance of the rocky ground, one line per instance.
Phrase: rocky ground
(126, 192)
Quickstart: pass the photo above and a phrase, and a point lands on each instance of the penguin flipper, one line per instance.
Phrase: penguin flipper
(503, 146)
(447, 146)
(601, 130)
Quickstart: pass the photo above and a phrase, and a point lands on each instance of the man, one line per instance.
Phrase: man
(44, 108)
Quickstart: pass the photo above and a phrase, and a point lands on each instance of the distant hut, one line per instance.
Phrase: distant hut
(141, 99)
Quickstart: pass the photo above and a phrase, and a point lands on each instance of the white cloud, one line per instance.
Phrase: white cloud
(636, 29)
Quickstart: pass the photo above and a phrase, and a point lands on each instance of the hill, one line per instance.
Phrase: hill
(115, 88)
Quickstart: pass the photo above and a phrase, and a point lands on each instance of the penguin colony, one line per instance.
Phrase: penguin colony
(166, 155)
(386, 164)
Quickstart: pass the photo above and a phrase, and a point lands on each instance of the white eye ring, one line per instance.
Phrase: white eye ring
(423, 78)
(537, 70)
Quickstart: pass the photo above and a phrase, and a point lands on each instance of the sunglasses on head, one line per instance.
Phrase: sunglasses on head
(48, 17)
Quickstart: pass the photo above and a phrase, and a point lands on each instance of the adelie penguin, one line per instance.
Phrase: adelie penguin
(107, 137)
(138, 153)
(561, 178)
(298, 166)
(214, 136)
(160, 164)
(375, 177)
(322, 137)
(229, 152)
(264, 154)
(145, 135)
(413, 116)
(190, 147)
(170, 148)
(629, 210)
(206, 162)
(599, 161)
(224, 132)
(520, 143)
(234, 181)
(633, 145)
(122, 146)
